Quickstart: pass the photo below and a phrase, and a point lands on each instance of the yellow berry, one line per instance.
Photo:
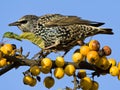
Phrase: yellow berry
(84, 50)
(118, 75)
(112, 61)
(34, 82)
(46, 63)
(118, 66)
(94, 45)
(93, 57)
(49, 82)
(60, 61)
(77, 57)
(95, 85)
(58, 73)
(35, 70)
(45, 70)
(3, 62)
(81, 74)
(114, 71)
(119, 70)
(12, 53)
(7, 49)
(103, 63)
(86, 83)
(70, 69)
(27, 80)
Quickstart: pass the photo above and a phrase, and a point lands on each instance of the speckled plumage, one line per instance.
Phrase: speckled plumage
(60, 32)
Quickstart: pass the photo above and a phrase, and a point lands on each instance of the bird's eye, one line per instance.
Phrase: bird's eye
(23, 22)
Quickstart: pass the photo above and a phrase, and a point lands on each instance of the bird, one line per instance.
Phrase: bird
(60, 32)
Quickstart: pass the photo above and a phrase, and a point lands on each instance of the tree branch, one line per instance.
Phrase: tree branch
(28, 62)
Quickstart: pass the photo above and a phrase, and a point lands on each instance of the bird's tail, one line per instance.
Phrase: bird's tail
(105, 31)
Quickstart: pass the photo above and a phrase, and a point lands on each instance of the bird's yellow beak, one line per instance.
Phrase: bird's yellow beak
(14, 23)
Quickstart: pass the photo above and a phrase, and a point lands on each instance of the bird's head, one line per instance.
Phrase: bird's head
(27, 23)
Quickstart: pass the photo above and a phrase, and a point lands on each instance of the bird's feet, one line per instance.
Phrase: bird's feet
(80, 42)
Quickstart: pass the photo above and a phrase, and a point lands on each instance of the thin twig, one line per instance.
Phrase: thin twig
(75, 82)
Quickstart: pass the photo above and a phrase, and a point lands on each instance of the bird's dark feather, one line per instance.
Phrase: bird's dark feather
(61, 20)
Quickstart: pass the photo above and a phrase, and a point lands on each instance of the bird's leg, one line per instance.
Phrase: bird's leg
(80, 42)
(37, 54)
(57, 42)
(72, 43)
(41, 54)
(54, 45)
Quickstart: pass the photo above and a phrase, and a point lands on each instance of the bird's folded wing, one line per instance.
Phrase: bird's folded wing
(61, 20)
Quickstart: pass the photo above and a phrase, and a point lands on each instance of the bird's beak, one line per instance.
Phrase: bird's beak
(14, 23)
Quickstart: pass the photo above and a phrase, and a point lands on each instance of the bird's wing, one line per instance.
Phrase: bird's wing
(51, 20)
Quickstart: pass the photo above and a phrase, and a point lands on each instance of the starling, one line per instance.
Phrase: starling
(60, 32)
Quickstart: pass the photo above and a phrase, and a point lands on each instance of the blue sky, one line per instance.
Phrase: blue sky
(97, 10)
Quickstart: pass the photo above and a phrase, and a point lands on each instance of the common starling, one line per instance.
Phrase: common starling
(59, 32)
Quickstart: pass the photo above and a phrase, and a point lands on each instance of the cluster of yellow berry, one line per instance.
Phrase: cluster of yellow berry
(45, 67)
(6, 50)
(30, 79)
(97, 57)
(90, 53)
